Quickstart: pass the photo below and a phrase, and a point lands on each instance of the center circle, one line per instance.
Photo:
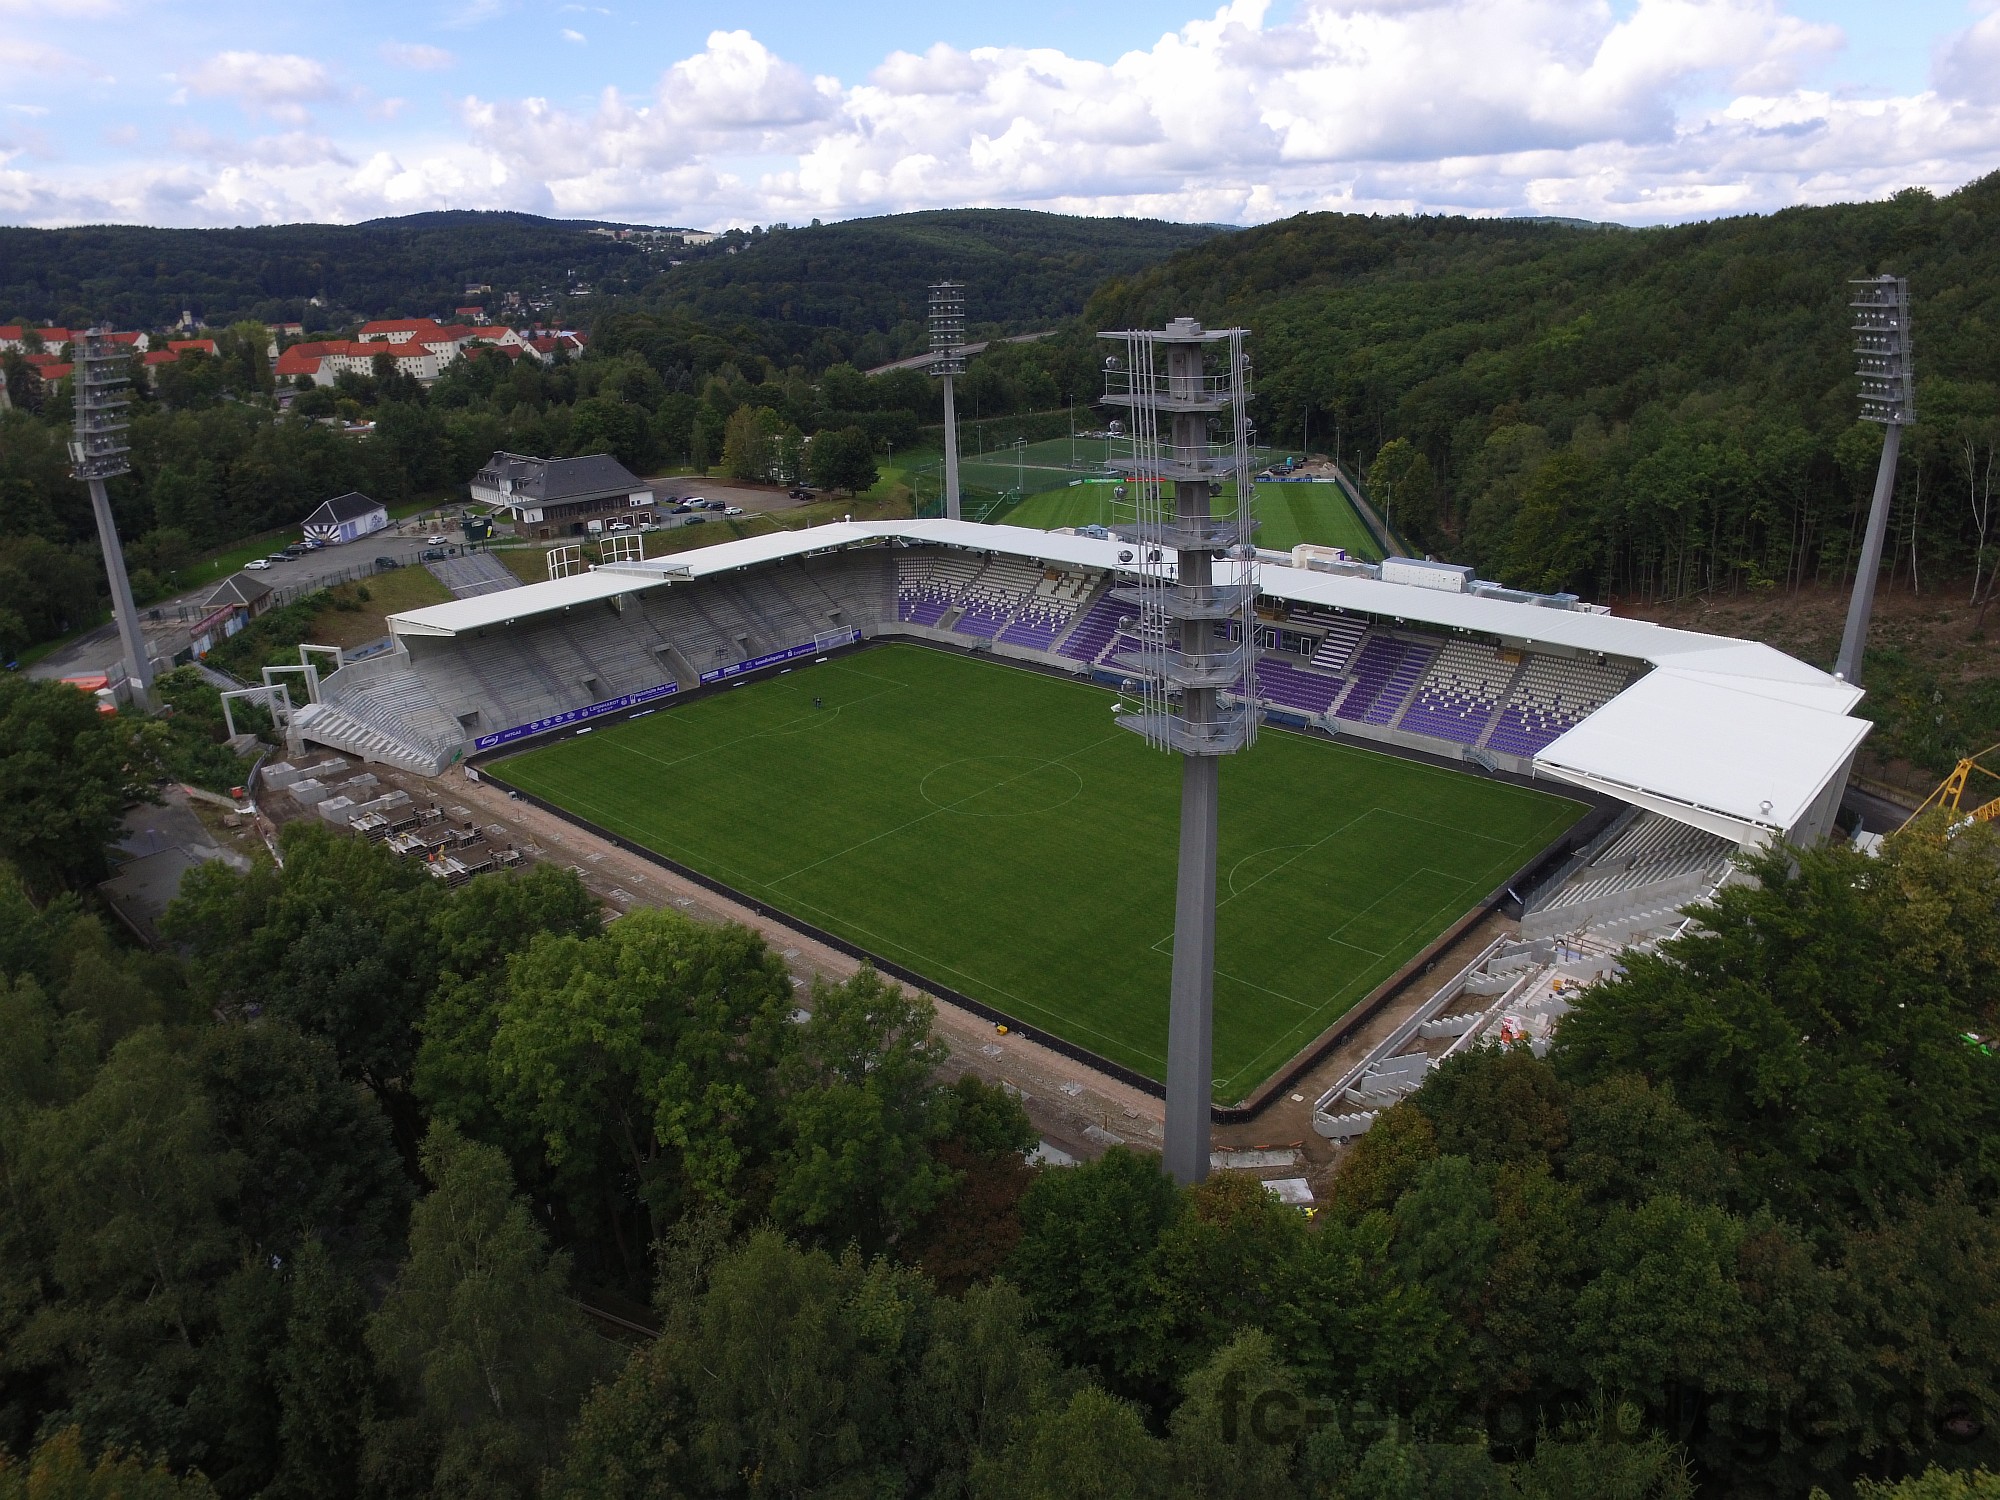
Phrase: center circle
(1001, 786)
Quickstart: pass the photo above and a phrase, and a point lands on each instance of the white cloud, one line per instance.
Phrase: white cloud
(417, 55)
(1653, 110)
(279, 84)
(574, 36)
(23, 57)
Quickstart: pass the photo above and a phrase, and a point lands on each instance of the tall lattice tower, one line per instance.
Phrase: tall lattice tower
(1189, 523)
(947, 364)
(98, 453)
(1888, 395)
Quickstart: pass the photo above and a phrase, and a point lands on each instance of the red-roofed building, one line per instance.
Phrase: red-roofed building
(397, 330)
(179, 347)
(468, 314)
(15, 337)
(323, 362)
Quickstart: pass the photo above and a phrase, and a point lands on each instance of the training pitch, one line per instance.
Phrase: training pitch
(992, 829)
(1286, 515)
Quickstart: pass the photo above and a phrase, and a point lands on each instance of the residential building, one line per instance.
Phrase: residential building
(554, 497)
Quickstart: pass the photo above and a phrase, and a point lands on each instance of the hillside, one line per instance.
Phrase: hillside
(413, 266)
(820, 293)
(1660, 417)
(1656, 412)
(792, 293)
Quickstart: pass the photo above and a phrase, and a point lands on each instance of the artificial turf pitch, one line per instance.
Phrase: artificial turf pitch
(993, 829)
(1286, 515)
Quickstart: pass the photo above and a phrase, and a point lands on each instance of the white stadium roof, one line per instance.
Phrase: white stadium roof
(1726, 734)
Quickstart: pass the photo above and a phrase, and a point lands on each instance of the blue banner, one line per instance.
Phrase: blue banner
(575, 716)
(771, 659)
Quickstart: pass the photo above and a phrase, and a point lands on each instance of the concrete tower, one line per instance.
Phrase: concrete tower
(1187, 389)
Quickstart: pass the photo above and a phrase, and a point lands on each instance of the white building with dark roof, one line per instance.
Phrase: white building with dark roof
(345, 518)
(554, 497)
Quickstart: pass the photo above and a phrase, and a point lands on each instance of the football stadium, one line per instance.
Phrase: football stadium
(901, 735)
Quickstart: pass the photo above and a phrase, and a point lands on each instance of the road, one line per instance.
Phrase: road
(98, 650)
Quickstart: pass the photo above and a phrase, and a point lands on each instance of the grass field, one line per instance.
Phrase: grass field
(1287, 515)
(992, 829)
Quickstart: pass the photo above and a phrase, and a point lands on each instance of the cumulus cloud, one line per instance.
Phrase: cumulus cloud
(419, 56)
(279, 84)
(1968, 65)
(18, 56)
(575, 37)
(1644, 111)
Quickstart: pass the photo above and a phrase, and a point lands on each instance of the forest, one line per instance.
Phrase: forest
(506, 1201)
(418, 265)
(823, 294)
(1648, 413)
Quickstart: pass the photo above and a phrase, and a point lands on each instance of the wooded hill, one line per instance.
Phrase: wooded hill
(810, 293)
(415, 266)
(1657, 412)
(818, 294)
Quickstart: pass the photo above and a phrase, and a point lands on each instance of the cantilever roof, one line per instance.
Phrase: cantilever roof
(1727, 734)
(1710, 746)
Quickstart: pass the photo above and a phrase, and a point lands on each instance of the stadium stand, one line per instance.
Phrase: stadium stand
(1285, 686)
(1435, 667)
(1553, 694)
(1401, 683)
(1336, 648)
(1370, 671)
(1087, 642)
(1458, 699)
(1650, 870)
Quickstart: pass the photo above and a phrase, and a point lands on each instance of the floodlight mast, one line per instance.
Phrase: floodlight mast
(97, 453)
(1888, 395)
(1195, 659)
(947, 364)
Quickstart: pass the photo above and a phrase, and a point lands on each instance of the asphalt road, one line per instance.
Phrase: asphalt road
(99, 650)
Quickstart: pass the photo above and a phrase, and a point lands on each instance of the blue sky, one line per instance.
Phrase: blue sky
(1638, 110)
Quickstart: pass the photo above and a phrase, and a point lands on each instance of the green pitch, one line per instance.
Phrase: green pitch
(994, 830)
(1287, 514)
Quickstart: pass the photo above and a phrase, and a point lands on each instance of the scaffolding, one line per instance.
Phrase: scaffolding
(1192, 668)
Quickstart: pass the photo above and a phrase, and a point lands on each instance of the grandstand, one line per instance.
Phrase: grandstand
(1710, 744)
(1728, 736)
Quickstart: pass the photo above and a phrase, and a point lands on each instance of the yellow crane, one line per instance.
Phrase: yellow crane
(1950, 795)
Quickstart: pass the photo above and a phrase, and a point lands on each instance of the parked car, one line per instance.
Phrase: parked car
(258, 564)
(682, 510)
(436, 540)
(799, 492)
(694, 521)
(649, 525)
(298, 549)
(732, 510)
(434, 554)
(387, 564)
(619, 526)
